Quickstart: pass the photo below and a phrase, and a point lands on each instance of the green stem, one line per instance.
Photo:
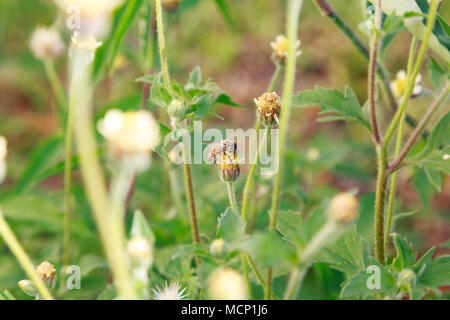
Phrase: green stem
(275, 77)
(55, 83)
(190, 196)
(380, 197)
(232, 196)
(22, 257)
(249, 182)
(162, 47)
(293, 13)
(410, 85)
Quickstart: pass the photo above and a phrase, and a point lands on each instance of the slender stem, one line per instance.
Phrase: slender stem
(55, 83)
(392, 189)
(21, 256)
(293, 13)
(380, 197)
(422, 124)
(91, 171)
(410, 85)
(275, 77)
(294, 283)
(246, 276)
(252, 173)
(161, 43)
(371, 74)
(190, 196)
(232, 196)
(175, 190)
(67, 185)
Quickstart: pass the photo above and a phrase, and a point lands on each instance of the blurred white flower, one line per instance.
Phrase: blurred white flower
(312, 154)
(140, 251)
(344, 208)
(46, 43)
(3, 153)
(398, 86)
(280, 48)
(169, 292)
(131, 135)
(226, 284)
(86, 44)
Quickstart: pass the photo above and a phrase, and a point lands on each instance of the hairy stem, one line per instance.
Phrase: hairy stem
(293, 13)
(190, 196)
(161, 43)
(380, 197)
(21, 256)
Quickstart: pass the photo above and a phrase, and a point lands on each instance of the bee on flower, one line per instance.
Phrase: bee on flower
(268, 108)
(3, 153)
(172, 291)
(131, 136)
(45, 43)
(226, 284)
(280, 48)
(398, 86)
(224, 155)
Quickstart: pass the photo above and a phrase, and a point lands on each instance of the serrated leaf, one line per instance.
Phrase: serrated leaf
(423, 262)
(158, 94)
(438, 76)
(342, 107)
(141, 228)
(195, 77)
(230, 226)
(437, 274)
(288, 224)
(405, 257)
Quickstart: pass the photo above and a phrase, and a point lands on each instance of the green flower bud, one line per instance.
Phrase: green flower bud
(28, 287)
(176, 109)
(406, 277)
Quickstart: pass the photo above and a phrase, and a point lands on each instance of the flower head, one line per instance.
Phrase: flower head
(268, 108)
(398, 86)
(131, 135)
(344, 208)
(3, 153)
(47, 272)
(280, 48)
(173, 291)
(224, 155)
(140, 251)
(46, 43)
(226, 284)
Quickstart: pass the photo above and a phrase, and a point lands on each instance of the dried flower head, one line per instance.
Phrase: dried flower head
(226, 284)
(224, 155)
(3, 153)
(140, 252)
(268, 108)
(398, 86)
(280, 48)
(131, 135)
(344, 208)
(47, 272)
(45, 43)
(169, 292)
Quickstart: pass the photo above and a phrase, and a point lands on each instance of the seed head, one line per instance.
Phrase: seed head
(47, 272)
(344, 208)
(176, 109)
(226, 284)
(224, 155)
(268, 108)
(398, 86)
(280, 48)
(45, 43)
(169, 292)
(140, 252)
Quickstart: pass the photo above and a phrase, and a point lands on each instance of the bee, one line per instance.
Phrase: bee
(225, 147)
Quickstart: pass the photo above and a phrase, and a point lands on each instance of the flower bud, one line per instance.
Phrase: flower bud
(280, 48)
(47, 272)
(46, 44)
(218, 248)
(344, 208)
(176, 109)
(28, 287)
(268, 108)
(226, 284)
(140, 252)
(224, 155)
(406, 278)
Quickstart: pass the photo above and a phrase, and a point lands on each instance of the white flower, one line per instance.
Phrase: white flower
(398, 86)
(446, 156)
(140, 252)
(344, 208)
(226, 284)
(169, 292)
(131, 135)
(85, 44)
(46, 43)
(313, 154)
(3, 153)
(280, 48)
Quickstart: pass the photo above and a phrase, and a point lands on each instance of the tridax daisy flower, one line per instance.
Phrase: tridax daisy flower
(173, 291)
(398, 86)
(47, 272)
(280, 48)
(94, 16)
(268, 108)
(224, 155)
(131, 135)
(226, 284)
(45, 43)
(3, 153)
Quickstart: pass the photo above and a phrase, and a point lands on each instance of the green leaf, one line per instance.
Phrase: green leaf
(435, 177)
(437, 75)
(158, 94)
(230, 226)
(288, 224)
(6, 295)
(440, 28)
(437, 274)
(331, 101)
(141, 228)
(225, 11)
(195, 77)
(423, 262)
(122, 21)
(405, 257)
